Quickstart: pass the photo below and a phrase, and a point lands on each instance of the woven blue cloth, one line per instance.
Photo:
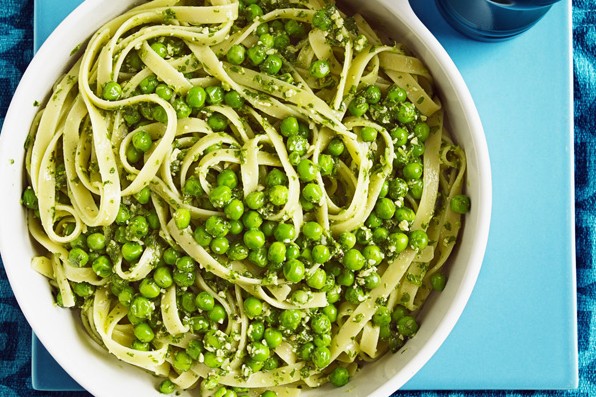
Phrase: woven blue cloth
(16, 36)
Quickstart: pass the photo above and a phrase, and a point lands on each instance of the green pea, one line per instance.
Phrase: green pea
(346, 278)
(358, 106)
(253, 11)
(317, 279)
(331, 312)
(234, 100)
(140, 346)
(255, 200)
(217, 122)
(281, 41)
(355, 295)
(254, 239)
(143, 332)
(335, 147)
(322, 340)
(284, 232)
(276, 252)
(320, 68)
(368, 134)
(182, 361)
(163, 277)
(298, 144)
(217, 314)
(354, 260)
(141, 307)
(278, 195)
(276, 177)
(220, 245)
(321, 357)
(406, 113)
(326, 164)
(96, 241)
(29, 199)
(167, 387)
(217, 226)
(234, 209)
(256, 54)
(289, 126)
(196, 97)
(372, 94)
(405, 214)
(181, 108)
(373, 221)
(273, 337)
(292, 251)
(460, 204)
(202, 237)
(137, 227)
(182, 218)
(399, 136)
(227, 178)
(416, 187)
(141, 140)
(413, 171)
(212, 360)
(418, 240)
(215, 94)
(271, 65)
(159, 114)
(407, 326)
(183, 278)
(237, 252)
(199, 324)
(334, 294)
(422, 131)
(160, 49)
(149, 288)
(253, 307)
(205, 301)
(131, 251)
(307, 170)
(294, 270)
(398, 242)
(102, 266)
(347, 240)
(112, 91)
(84, 290)
(396, 94)
(372, 281)
(186, 263)
(320, 253)
(144, 195)
(438, 281)
(258, 257)
(148, 84)
(382, 316)
(256, 330)
(252, 220)
(236, 54)
(312, 230)
(262, 29)
(385, 208)
(294, 28)
(187, 302)
(373, 254)
(312, 193)
(339, 377)
(320, 324)
(397, 188)
(131, 116)
(290, 319)
(321, 20)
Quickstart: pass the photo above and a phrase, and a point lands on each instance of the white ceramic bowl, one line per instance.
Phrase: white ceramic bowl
(101, 374)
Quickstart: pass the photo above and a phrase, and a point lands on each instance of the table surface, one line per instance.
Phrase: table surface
(497, 344)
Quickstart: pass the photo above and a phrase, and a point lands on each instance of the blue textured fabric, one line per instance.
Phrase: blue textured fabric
(16, 29)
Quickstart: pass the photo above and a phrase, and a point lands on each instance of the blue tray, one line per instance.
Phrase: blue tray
(519, 329)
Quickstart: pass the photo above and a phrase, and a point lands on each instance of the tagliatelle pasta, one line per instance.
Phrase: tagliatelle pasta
(246, 197)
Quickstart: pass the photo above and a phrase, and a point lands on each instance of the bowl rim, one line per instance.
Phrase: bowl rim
(420, 37)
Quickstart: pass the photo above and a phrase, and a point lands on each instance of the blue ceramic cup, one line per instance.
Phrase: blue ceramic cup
(491, 20)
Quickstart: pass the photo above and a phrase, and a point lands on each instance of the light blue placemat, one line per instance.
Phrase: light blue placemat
(519, 329)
